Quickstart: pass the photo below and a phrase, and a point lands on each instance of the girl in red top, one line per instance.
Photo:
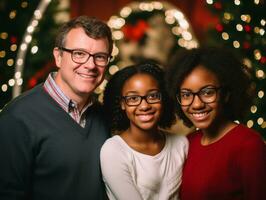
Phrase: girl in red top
(226, 160)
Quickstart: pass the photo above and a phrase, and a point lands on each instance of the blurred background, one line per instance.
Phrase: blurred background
(150, 30)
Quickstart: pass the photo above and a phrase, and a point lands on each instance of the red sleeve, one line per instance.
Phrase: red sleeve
(252, 164)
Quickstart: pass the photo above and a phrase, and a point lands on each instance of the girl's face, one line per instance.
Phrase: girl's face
(199, 96)
(142, 101)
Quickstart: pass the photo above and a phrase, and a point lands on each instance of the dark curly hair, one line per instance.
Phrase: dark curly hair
(116, 117)
(231, 73)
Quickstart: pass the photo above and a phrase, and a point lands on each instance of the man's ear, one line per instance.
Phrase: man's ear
(57, 56)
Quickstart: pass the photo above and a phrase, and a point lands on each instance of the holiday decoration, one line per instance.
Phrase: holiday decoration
(148, 30)
(26, 43)
(242, 28)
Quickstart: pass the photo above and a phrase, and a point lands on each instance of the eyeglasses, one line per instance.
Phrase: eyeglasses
(80, 57)
(206, 95)
(135, 100)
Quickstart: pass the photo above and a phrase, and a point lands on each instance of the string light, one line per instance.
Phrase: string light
(262, 32)
(113, 69)
(245, 18)
(2, 54)
(12, 14)
(261, 94)
(257, 1)
(260, 121)
(243, 26)
(227, 16)
(250, 123)
(209, 2)
(4, 35)
(236, 44)
(253, 109)
(225, 36)
(34, 49)
(4, 87)
(24, 4)
(239, 27)
(237, 2)
(13, 47)
(25, 41)
(173, 17)
(10, 62)
(257, 54)
(260, 74)
(263, 22)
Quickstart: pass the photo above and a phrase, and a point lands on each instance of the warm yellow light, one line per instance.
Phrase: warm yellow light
(2, 54)
(24, 4)
(257, 54)
(257, 1)
(118, 35)
(209, 1)
(261, 94)
(260, 121)
(237, 2)
(227, 16)
(225, 36)
(262, 31)
(253, 109)
(34, 49)
(13, 47)
(125, 12)
(257, 30)
(113, 69)
(245, 18)
(263, 125)
(263, 22)
(236, 44)
(12, 14)
(250, 123)
(4, 87)
(239, 27)
(10, 62)
(11, 82)
(260, 74)
(3, 35)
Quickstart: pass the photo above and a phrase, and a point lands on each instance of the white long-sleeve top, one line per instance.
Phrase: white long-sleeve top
(131, 175)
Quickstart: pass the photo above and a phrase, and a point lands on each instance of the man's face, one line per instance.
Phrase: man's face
(78, 81)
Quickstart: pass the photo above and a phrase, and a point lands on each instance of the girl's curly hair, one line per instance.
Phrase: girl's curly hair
(231, 73)
(116, 117)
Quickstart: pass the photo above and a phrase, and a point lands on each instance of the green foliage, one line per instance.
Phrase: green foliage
(15, 16)
(241, 27)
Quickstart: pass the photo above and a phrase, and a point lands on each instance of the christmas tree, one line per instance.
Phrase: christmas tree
(15, 17)
(241, 27)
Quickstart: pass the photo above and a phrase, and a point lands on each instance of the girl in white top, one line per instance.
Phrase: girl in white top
(141, 161)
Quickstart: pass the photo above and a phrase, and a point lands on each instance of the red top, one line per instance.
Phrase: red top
(232, 168)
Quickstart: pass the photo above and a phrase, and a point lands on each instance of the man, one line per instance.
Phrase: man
(50, 136)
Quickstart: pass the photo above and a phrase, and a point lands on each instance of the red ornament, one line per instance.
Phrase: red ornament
(219, 27)
(246, 45)
(135, 32)
(217, 5)
(263, 60)
(13, 40)
(247, 28)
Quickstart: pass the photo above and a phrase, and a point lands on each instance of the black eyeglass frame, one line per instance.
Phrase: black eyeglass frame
(216, 89)
(93, 55)
(143, 97)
